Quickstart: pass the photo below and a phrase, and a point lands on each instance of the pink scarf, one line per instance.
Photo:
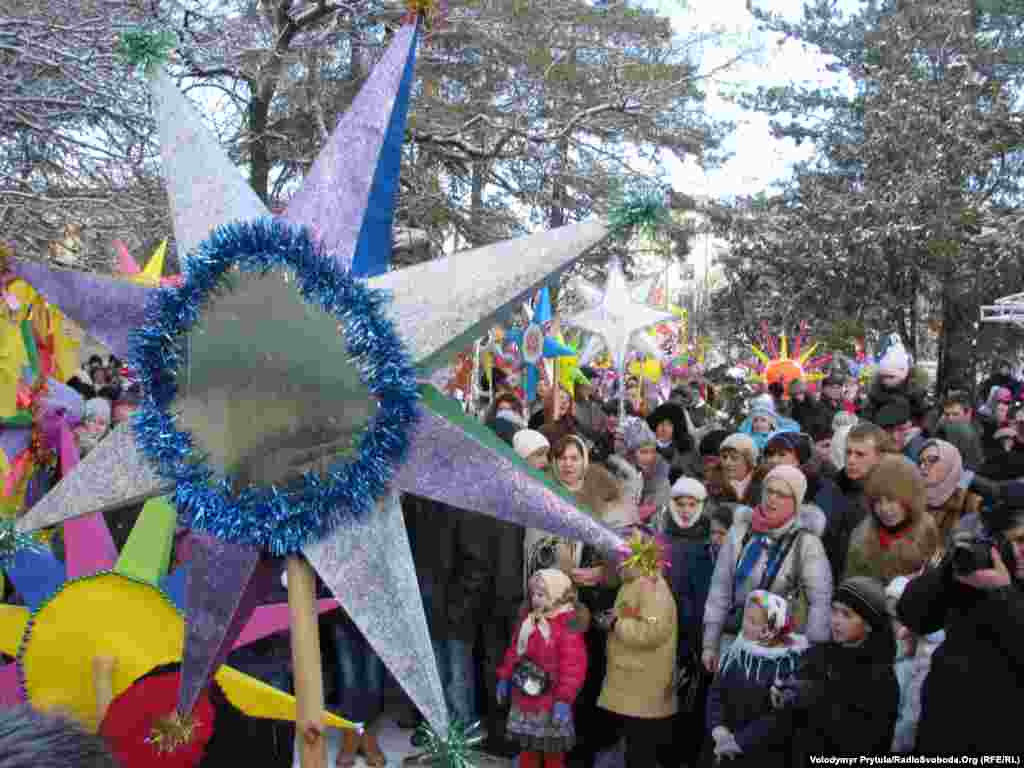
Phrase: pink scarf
(740, 486)
(762, 522)
(949, 469)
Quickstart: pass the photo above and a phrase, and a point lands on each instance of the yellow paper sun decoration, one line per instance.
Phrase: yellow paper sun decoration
(775, 363)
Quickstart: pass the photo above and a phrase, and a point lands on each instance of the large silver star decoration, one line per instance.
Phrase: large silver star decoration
(438, 308)
(616, 318)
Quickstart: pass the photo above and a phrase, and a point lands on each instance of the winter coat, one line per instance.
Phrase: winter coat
(850, 704)
(966, 438)
(809, 412)
(1005, 465)
(601, 493)
(948, 516)
(563, 656)
(967, 704)
(805, 569)
(642, 652)
(433, 538)
(913, 389)
(911, 672)
(905, 555)
(690, 578)
(657, 488)
(678, 462)
(488, 577)
(838, 509)
(853, 491)
(827, 409)
(739, 700)
(679, 450)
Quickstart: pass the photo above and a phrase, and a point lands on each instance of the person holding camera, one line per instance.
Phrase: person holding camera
(976, 595)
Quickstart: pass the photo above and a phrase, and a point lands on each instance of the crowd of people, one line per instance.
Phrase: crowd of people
(844, 577)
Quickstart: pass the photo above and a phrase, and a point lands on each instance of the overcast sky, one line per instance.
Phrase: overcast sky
(758, 159)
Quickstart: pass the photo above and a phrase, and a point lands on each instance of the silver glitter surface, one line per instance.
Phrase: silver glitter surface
(441, 306)
(368, 566)
(447, 464)
(334, 195)
(205, 188)
(112, 475)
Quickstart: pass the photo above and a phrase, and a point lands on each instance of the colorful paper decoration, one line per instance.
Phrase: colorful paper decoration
(153, 275)
(535, 344)
(120, 611)
(438, 307)
(775, 362)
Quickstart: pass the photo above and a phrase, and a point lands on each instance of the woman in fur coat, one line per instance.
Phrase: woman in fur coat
(898, 536)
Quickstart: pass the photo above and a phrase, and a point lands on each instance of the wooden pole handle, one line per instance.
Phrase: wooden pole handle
(306, 664)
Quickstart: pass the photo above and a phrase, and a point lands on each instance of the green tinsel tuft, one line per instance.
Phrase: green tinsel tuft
(13, 541)
(146, 49)
(642, 212)
(457, 750)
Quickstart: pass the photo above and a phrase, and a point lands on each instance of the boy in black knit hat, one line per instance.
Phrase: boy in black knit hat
(844, 699)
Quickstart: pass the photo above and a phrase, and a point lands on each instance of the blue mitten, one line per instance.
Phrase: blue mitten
(561, 713)
(502, 692)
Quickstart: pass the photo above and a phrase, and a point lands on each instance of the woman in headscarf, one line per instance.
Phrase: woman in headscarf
(943, 473)
(776, 547)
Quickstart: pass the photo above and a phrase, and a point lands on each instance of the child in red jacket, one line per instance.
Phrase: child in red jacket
(545, 667)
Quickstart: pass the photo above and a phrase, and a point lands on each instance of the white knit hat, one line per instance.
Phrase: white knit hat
(688, 486)
(895, 362)
(528, 441)
(741, 443)
(792, 477)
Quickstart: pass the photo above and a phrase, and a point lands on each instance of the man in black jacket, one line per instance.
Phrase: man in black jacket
(967, 701)
(865, 446)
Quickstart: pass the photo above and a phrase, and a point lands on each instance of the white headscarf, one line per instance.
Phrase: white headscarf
(557, 584)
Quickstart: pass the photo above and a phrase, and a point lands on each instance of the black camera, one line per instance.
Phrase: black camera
(972, 555)
(972, 552)
(544, 554)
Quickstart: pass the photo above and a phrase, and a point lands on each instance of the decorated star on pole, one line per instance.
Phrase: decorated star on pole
(281, 403)
(616, 318)
(536, 344)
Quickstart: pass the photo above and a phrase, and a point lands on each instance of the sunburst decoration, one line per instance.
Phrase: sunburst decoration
(777, 362)
(125, 607)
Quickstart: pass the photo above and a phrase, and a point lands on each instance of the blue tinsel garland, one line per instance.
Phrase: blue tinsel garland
(278, 520)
